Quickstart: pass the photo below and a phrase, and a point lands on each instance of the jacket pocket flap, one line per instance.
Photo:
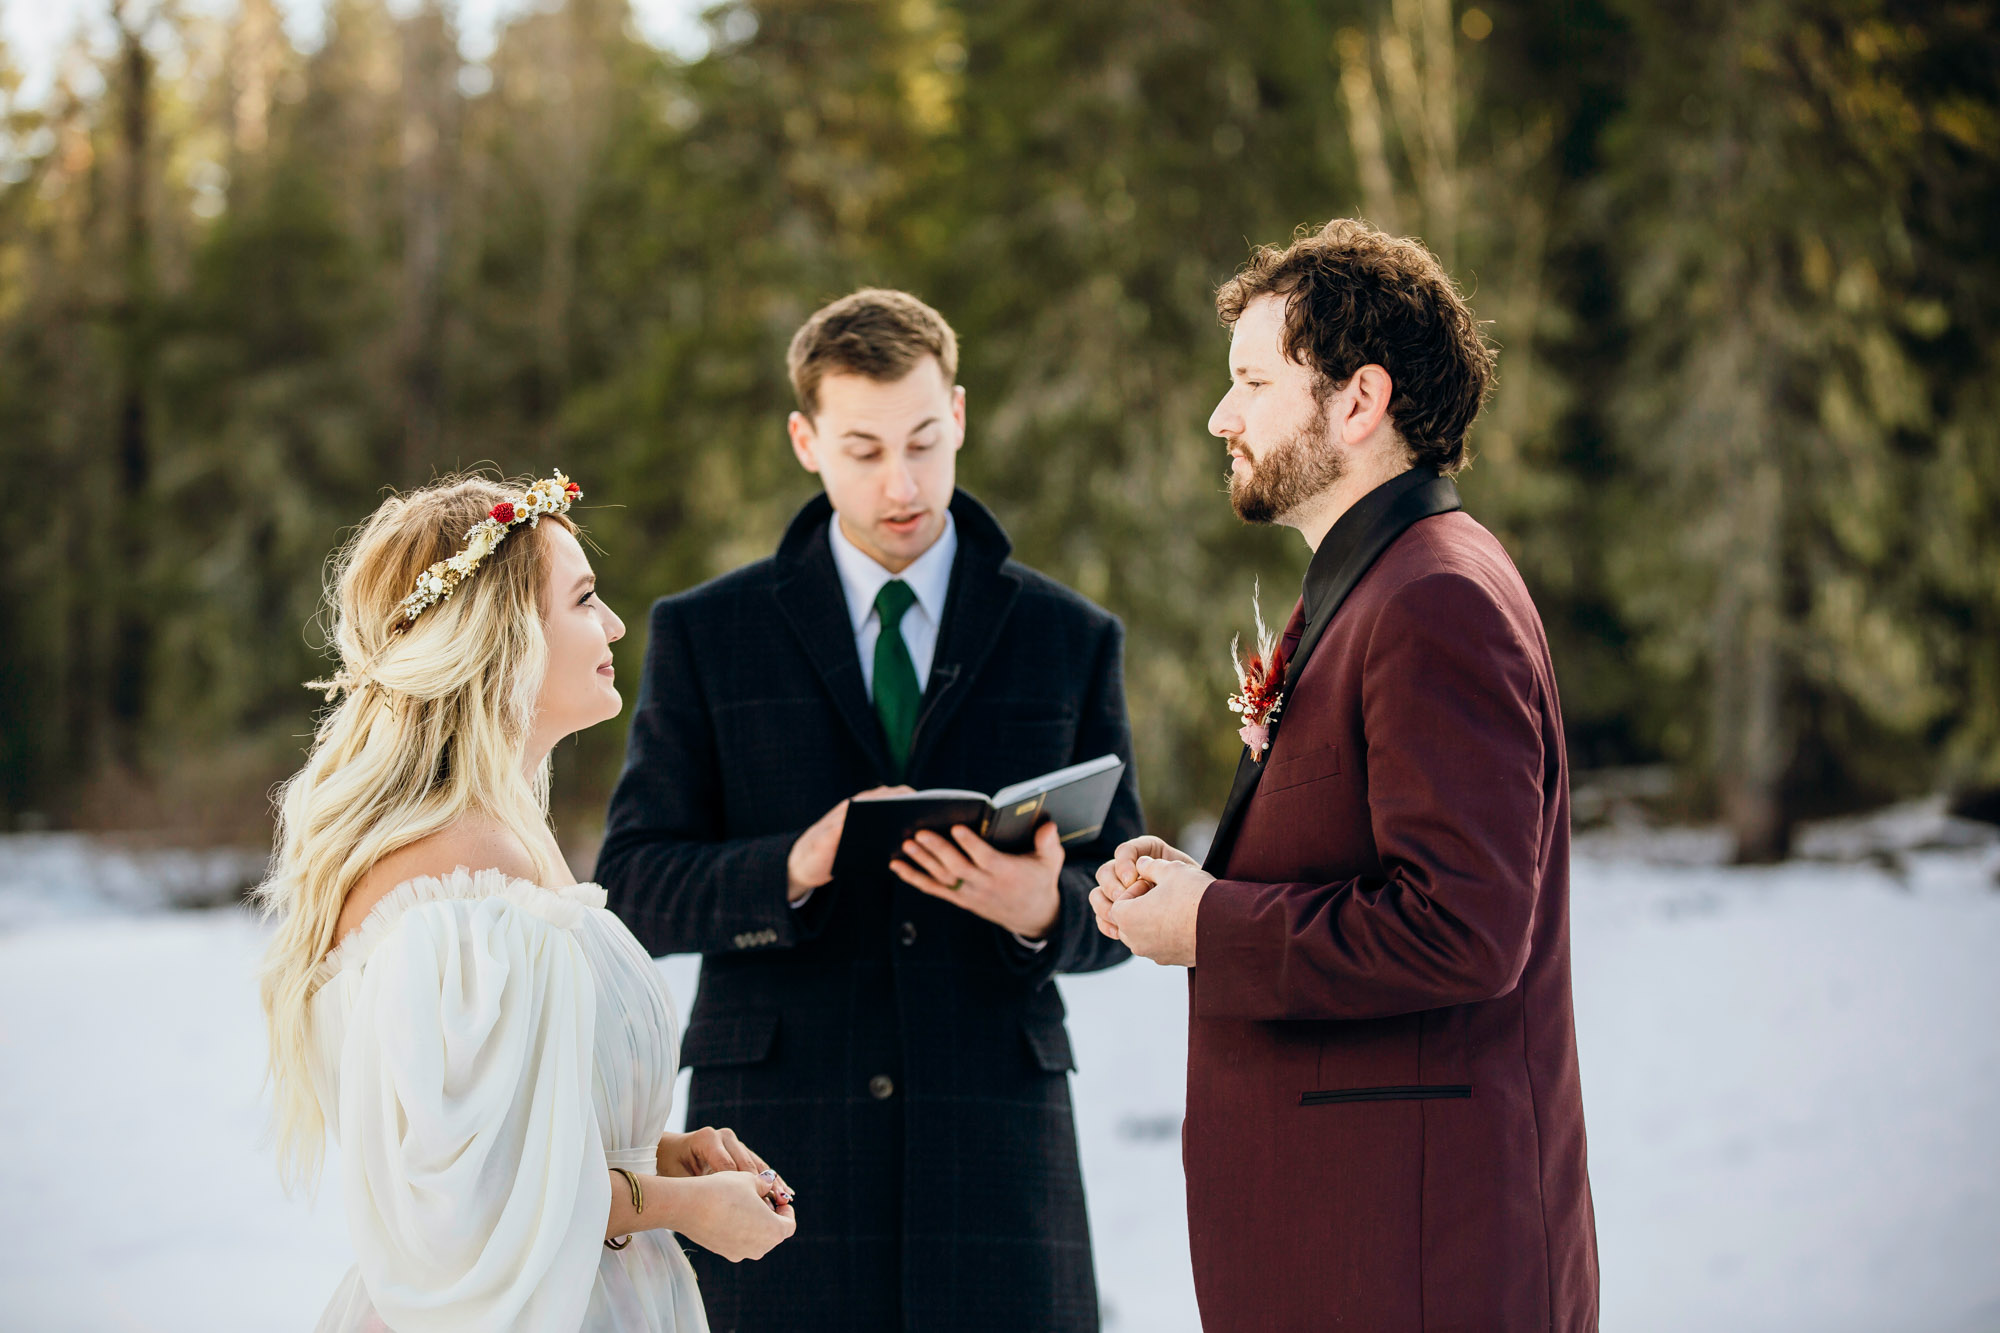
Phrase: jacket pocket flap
(729, 1039)
(1413, 1092)
(1048, 1039)
(1296, 770)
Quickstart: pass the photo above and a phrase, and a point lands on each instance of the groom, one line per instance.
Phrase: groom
(1384, 1125)
(893, 1039)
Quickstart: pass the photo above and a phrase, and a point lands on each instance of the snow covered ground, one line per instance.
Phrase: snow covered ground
(1792, 1080)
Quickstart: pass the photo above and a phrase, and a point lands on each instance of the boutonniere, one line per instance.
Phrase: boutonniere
(1260, 681)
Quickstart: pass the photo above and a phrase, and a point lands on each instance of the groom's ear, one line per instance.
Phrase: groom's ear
(804, 438)
(1363, 406)
(958, 411)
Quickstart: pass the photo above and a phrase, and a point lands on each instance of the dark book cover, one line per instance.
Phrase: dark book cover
(1077, 798)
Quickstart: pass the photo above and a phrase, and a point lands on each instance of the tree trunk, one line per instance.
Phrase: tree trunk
(430, 71)
(1752, 740)
(132, 636)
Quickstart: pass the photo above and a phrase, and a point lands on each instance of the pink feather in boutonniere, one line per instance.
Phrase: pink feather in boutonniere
(1260, 683)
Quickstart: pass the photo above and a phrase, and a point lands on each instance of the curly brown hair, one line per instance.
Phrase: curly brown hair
(1356, 296)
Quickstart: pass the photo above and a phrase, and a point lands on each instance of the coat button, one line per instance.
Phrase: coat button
(908, 933)
(881, 1087)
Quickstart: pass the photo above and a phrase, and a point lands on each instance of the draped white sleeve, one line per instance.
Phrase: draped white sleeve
(471, 1158)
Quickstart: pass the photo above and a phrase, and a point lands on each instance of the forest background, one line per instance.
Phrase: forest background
(1739, 259)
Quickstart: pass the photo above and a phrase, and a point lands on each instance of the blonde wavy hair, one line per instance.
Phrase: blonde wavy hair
(433, 727)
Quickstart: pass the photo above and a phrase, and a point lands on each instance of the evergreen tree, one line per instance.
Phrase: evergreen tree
(1743, 444)
(1781, 406)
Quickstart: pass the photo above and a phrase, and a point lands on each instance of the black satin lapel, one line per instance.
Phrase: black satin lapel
(975, 610)
(811, 599)
(1435, 497)
(1438, 496)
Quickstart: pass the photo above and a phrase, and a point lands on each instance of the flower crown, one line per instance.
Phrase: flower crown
(551, 495)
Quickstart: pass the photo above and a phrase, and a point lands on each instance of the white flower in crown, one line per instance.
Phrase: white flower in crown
(551, 495)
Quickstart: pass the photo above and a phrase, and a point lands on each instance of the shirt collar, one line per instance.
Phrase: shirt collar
(861, 578)
(1349, 535)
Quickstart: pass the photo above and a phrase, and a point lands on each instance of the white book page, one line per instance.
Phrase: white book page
(1062, 777)
(934, 794)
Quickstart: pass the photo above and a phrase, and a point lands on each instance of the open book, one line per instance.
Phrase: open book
(1077, 798)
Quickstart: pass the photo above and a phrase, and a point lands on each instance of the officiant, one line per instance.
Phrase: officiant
(893, 1038)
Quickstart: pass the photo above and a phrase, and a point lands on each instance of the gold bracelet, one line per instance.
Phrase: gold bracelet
(632, 1183)
(638, 1205)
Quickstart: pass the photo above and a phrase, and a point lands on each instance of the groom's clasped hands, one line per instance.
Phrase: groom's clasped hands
(1148, 895)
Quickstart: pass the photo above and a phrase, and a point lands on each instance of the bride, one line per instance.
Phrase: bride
(489, 1047)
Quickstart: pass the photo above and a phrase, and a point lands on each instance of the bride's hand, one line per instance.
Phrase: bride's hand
(729, 1214)
(704, 1151)
(701, 1151)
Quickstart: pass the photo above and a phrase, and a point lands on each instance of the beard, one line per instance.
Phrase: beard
(1288, 476)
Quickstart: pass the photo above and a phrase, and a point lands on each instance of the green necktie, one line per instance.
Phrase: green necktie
(896, 692)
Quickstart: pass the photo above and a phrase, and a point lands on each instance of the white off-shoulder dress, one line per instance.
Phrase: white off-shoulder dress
(484, 1049)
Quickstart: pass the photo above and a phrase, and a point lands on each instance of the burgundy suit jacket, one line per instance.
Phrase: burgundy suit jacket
(1385, 1125)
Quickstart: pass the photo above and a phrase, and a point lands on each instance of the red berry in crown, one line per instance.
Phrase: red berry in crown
(550, 495)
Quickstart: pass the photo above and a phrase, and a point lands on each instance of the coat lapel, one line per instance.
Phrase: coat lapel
(812, 602)
(1433, 497)
(976, 609)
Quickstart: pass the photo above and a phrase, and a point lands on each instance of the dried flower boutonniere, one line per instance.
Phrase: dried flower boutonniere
(1260, 683)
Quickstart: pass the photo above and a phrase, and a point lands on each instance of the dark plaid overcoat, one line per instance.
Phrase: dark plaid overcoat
(903, 1062)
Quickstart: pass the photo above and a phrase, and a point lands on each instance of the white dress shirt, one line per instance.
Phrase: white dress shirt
(929, 577)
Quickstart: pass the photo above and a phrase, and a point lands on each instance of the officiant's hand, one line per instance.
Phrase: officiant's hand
(1017, 893)
(1159, 922)
(811, 861)
(1119, 877)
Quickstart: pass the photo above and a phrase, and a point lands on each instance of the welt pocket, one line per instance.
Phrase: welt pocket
(1409, 1092)
(1298, 769)
(729, 1039)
